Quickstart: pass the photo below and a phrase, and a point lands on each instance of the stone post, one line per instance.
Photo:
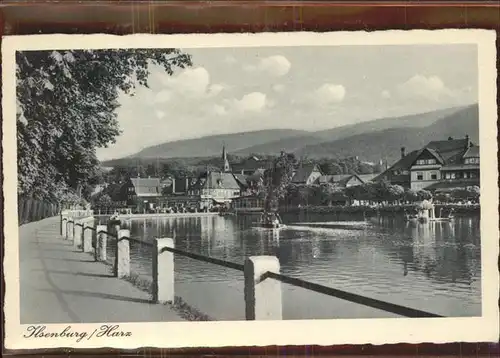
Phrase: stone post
(64, 226)
(163, 271)
(71, 228)
(77, 240)
(87, 235)
(61, 218)
(101, 243)
(262, 297)
(122, 262)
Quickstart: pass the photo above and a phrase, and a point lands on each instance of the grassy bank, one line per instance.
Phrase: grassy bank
(184, 310)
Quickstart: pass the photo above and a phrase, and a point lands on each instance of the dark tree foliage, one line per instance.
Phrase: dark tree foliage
(66, 102)
(277, 179)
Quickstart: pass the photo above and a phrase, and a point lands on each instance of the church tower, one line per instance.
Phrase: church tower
(227, 168)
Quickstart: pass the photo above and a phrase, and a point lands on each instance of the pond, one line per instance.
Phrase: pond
(434, 267)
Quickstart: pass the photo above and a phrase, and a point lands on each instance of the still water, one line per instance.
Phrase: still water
(434, 267)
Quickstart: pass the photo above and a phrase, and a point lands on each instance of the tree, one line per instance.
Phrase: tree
(474, 192)
(66, 102)
(470, 192)
(277, 179)
(424, 194)
(103, 202)
(395, 192)
(443, 197)
(411, 195)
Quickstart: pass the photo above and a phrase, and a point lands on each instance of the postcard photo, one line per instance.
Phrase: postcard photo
(241, 190)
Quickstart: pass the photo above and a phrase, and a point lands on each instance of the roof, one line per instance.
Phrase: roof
(443, 146)
(303, 173)
(241, 179)
(146, 186)
(216, 180)
(367, 177)
(435, 153)
(258, 174)
(450, 150)
(473, 152)
(402, 164)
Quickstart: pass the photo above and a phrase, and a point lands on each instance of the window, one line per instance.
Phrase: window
(420, 176)
(434, 176)
(405, 172)
(466, 175)
(426, 161)
(473, 175)
(471, 161)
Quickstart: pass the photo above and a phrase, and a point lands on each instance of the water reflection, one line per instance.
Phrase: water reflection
(434, 267)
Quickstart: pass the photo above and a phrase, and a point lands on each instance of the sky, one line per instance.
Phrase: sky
(229, 90)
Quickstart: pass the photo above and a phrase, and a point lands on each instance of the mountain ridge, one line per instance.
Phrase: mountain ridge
(321, 143)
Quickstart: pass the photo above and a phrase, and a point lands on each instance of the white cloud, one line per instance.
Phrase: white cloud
(219, 110)
(431, 87)
(160, 114)
(251, 102)
(215, 89)
(193, 82)
(275, 66)
(386, 94)
(249, 68)
(163, 96)
(278, 88)
(329, 93)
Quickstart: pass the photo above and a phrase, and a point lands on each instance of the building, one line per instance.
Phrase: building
(247, 204)
(250, 165)
(399, 172)
(141, 193)
(176, 185)
(307, 174)
(225, 161)
(215, 188)
(341, 180)
(452, 163)
(367, 178)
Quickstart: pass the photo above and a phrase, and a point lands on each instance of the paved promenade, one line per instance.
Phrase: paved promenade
(61, 285)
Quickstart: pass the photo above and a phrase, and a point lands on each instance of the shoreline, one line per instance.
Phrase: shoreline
(162, 215)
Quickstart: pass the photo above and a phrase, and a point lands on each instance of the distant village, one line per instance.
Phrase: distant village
(446, 170)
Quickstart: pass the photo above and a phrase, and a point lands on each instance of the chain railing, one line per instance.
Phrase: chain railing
(262, 275)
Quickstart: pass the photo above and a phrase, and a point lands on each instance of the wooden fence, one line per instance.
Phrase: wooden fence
(30, 210)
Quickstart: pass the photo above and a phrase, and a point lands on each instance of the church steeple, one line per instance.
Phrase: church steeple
(227, 168)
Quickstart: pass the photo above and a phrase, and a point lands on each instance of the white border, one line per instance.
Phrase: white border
(259, 333)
